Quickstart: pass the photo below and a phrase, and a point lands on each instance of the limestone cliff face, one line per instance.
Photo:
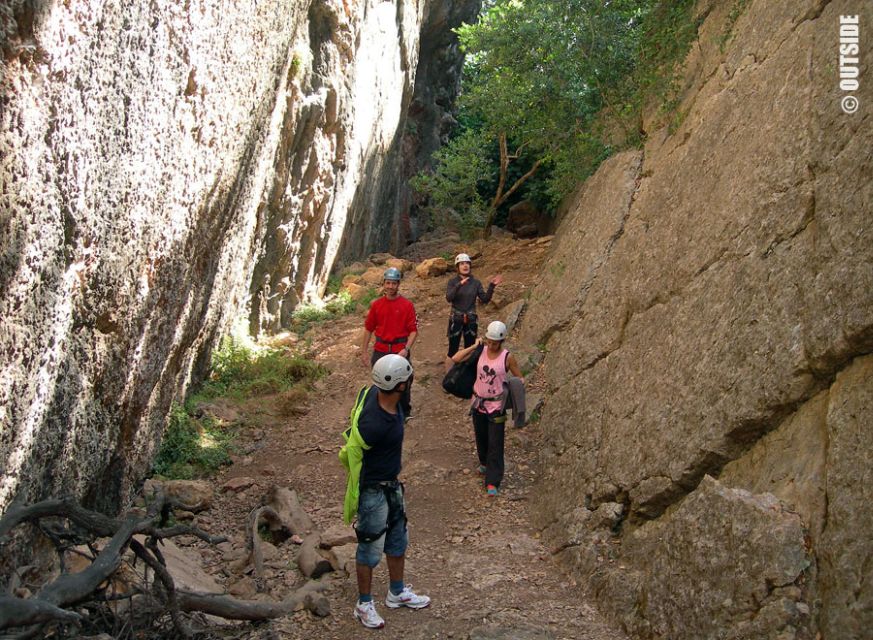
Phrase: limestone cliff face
(164, 167)
(708, 318)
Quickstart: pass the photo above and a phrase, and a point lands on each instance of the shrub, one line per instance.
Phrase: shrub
(339, 305)
(241, 371)
(191, 448)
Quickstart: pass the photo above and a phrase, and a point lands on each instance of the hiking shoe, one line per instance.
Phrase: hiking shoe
(481, 469)
(406, 598)
(367, 614)
(491, 491)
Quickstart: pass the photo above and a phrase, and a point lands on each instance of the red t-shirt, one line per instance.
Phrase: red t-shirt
(390, 320)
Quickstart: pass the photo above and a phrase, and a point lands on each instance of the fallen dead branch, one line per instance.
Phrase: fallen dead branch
(308, 597)
(66, 523)
(284, 517)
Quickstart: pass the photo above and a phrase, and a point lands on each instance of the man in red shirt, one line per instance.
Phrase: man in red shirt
(392, 319)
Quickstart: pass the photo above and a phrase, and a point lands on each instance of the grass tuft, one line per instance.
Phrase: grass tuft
(192, 448)
(341, 304)
(240, 371)
(195, 446)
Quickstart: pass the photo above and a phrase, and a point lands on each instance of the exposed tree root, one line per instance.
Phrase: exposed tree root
(66, 523)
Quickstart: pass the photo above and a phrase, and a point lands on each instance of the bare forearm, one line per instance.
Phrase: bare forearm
(465, 353)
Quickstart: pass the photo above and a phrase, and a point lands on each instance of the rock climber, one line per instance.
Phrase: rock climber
(461, 292)
(393, 320)
(491, 394)
(381, 526)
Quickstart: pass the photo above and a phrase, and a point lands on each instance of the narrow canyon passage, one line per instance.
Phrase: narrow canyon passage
(480, 559)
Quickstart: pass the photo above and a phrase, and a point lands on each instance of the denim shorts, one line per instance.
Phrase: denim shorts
(378, 508)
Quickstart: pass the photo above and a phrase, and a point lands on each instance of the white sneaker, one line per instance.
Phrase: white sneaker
(366, 613)
(406, 598)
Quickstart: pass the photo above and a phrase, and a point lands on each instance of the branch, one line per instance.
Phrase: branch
(146, 528)
(167, 582)
(504, 166)
(518, 151)
(73, 588)
(19, 612)
(94, 522)
(262, 514)
(520, 182)
(233, 609)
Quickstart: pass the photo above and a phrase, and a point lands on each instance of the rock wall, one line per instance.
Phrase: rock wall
(707, 317)
(167, 169)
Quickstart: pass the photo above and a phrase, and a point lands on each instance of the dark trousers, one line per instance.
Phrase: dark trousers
(457, 328)
(406, 399)
(489, 430)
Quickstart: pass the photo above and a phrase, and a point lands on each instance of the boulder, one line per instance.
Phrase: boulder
(373, 276)
(710, 567)
(337, 535)
(186, 567)
(432, 267)
(191, 495)
(355, 268)
(525, 214)
(380, 258)
(527, 231)
(235, 485)
(342, 557)
(356, 291)
(244, 588)
(511, 313)
(400, 263)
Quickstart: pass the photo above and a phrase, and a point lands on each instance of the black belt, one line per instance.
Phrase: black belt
(395, 341)
(382, 484)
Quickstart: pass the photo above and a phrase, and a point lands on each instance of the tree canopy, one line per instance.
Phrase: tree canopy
(542, 80)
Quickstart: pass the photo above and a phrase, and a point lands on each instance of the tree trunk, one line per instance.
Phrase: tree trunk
(500, 196)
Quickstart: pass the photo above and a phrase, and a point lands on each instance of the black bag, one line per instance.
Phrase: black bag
(460, 378)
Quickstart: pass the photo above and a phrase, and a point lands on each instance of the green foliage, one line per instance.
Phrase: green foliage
(567, 83)
(240, 371)
(365, 300)
(334, 284)
(191, 448)
(463, 173)
(669, 31)
(341, 304)
(557, 269)
(734, 15)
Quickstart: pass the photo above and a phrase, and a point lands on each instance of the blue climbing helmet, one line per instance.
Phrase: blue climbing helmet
(392, 273)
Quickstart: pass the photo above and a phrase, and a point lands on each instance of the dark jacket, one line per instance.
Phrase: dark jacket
(463, 298)
(514, 398)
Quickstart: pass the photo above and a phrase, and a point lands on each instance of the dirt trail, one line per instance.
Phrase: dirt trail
(479, 558)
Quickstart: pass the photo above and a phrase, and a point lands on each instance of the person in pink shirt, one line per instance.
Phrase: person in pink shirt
(487, 410)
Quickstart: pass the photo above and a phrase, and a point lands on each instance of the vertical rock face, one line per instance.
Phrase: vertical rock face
(713, 318)
(164, 168)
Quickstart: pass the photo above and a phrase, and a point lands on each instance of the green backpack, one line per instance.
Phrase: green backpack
(351, 456)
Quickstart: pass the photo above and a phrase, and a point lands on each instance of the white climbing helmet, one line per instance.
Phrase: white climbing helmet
(496, 331)
(462, 257)
(391, 370)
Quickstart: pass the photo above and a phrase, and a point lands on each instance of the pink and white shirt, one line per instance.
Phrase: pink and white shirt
(490, 376)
